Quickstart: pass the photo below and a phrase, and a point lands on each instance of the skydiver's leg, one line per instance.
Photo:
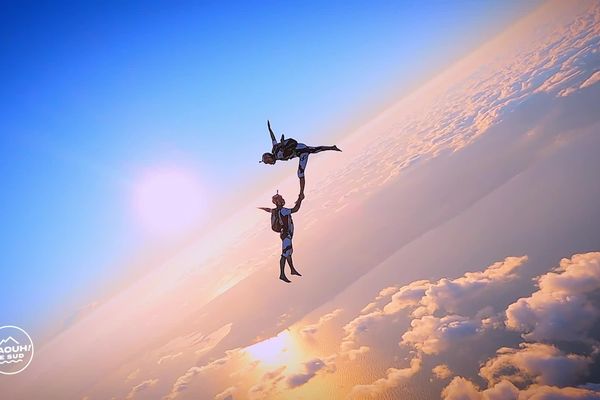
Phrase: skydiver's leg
(282, 270)
(291, 263)
(301, 168)
(286, 251)
(318, 149)
(273, 140)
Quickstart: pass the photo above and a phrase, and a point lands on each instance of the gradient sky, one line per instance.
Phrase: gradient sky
(95, 92)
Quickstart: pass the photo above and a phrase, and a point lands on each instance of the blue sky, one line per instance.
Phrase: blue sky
(94, 91)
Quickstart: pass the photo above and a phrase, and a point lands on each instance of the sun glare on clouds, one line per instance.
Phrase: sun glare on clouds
(276, 351)
(168, 201)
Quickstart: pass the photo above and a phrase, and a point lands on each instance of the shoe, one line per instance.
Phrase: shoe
(284, 278)
(294, 272)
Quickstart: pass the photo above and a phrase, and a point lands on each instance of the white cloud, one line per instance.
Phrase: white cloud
(226, 394)
(407, 296)
(450, 294)
(312, 329)
(428, 333)
(183, 382)
(562, 308)
(168, 357)
(535, 363)
(463, 389)
(386, 292)
(267, 385)
(432, 335)
(442, 371)
(140, 387)
(353, 329)
(393, 378)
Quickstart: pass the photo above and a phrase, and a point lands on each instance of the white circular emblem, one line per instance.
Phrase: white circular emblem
(16, 350)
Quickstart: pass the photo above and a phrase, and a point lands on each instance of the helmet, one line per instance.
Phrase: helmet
(278, 199)
(268, 158)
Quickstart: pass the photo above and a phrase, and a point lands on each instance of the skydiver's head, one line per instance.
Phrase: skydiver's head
(268, 158)
(278, 200)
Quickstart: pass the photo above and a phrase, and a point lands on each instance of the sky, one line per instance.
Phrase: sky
(97, 95)
(450, 251)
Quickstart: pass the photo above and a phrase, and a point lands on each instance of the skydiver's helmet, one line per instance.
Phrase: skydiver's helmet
(268, 158)
(278, 200)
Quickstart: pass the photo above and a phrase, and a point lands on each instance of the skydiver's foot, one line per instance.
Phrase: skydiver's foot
(294, 272)
(284, 278)
(336, 148)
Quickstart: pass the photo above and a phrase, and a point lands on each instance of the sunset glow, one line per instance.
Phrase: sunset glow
(276, 351)
(168, 201)
(449, 250)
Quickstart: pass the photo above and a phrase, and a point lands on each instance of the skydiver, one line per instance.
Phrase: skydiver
(281, 222)
(289, 148)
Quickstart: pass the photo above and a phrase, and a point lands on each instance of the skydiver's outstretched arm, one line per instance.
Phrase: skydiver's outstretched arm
(267, 209)
(273, 140)
(302, 183)
(298, 203)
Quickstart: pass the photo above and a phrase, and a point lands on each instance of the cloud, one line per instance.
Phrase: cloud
(555, 393)
(353, 329)
(407, 296)
(442, 371)
(183, 382)
(226, 394)
(168, 357)
(369, 307)
(463, 389)
(428, 333)
(310, 370)
(312, 329)
(386, 292)
(393, 378)
(132, 375)
(432, 335)
(541, 368)
(555, 57)
(138, 388)
(535, 363)
(268, 383)
(562, 308)
(450, 295)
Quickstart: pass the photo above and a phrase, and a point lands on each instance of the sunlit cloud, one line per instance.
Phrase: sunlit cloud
(564, 307)
(442, 371)
(278, 350)
(535, 363)
(464, 389)
(312, 329)
(311, 368)
(140, 387)
(394, 376)
(267, 384)
(226, 394)
(182, 383)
